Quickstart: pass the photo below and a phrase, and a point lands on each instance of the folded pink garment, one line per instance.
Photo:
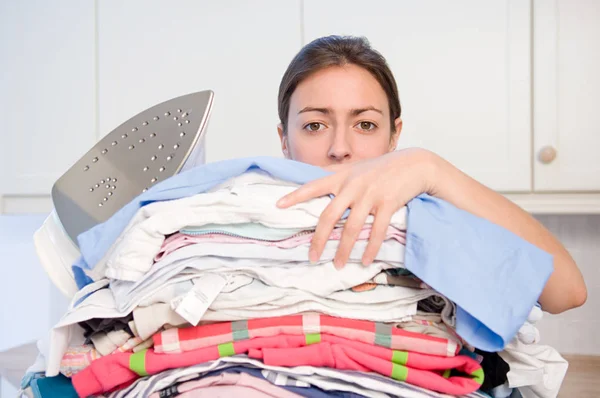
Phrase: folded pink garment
(226, 391)
(179, 240)
(421, 370)
(186, 339)
(413, 368)
(250, 384)
(77, 358)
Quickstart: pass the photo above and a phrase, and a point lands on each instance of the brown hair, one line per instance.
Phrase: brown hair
(337, 51)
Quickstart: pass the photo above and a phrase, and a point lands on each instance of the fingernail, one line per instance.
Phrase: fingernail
(366, 261)
(281, 202)
(337, 264)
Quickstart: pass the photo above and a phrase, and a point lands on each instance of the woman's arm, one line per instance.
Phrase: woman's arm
(565, 288)
(382, 185)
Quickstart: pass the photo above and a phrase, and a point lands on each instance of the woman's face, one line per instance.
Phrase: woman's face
(338, 115)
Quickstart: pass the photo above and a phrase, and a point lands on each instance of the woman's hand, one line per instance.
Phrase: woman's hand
(379, 186)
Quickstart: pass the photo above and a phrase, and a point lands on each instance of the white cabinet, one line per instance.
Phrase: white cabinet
(463, 73)
(46, 91)
(566, 94)
(486, 84)
(150, 51)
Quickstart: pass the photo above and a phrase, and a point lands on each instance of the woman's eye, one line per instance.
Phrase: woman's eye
(367, 126)
(315, 126)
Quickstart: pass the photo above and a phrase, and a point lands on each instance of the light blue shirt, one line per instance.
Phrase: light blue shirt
(492, 275)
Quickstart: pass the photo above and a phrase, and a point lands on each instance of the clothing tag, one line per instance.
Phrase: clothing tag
(195, 303)
(168, 392)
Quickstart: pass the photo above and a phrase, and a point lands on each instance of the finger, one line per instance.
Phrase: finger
(352, 229)
(310, 190)
(379, 228)
(327, 221)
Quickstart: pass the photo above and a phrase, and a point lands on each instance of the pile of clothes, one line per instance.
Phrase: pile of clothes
(202, 286)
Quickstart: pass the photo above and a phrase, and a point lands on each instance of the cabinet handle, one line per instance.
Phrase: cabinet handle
(547, 154)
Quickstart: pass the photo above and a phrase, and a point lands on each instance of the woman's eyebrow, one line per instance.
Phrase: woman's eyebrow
(356, 112)
(325, 111)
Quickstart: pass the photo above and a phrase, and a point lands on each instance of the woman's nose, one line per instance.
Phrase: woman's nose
(340, 149)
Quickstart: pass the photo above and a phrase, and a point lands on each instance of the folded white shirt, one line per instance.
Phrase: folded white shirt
(284, 267)
(320, 279)
(249, 198)
(257, 300)
(536, 370)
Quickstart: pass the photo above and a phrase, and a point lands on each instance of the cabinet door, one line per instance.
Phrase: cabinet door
(566, 61)
(46, 91)
(151, 51)
(463, 73)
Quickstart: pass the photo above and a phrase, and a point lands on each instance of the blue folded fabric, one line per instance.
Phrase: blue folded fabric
(493, 276)
(50, 387)
(29, 377)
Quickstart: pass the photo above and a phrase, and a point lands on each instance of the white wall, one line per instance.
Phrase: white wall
(72, 71)
(29, 303)
(576, 331)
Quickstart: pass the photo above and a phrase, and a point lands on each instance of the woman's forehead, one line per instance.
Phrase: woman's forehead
(340, 90)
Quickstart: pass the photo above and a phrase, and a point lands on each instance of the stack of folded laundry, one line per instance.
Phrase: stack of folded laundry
(202, 287)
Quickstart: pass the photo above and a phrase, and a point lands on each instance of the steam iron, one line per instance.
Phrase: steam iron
(148, 148)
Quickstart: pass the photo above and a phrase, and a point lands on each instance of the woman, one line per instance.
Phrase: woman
(339, 109)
